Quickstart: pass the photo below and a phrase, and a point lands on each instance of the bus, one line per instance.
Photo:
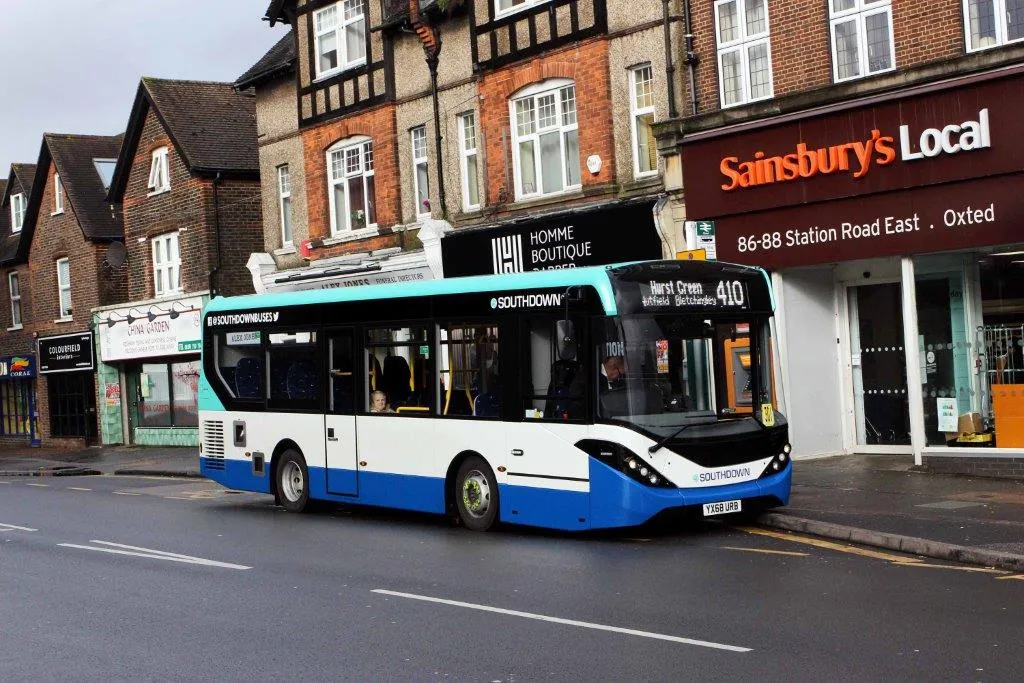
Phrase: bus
(572, 399)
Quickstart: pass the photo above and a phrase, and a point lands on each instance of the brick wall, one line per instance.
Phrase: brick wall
(377, 123)
(585, 63)
(923, 30)
(188, 209)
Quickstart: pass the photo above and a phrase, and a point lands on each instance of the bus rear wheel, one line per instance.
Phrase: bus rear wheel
(292, 481)
(476, 495)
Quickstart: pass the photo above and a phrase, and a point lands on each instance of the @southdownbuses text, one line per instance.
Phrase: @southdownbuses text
(882, 226)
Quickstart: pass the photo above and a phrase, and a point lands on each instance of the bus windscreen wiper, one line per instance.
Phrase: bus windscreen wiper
(675, 434)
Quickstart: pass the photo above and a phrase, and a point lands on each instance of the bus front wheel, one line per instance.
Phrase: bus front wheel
(476, 494)
(292, 481)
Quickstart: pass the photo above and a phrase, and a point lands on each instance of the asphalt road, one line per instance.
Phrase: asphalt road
(116, 578)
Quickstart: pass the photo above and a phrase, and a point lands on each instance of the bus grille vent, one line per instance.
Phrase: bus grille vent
(213, 439)
(217, 464)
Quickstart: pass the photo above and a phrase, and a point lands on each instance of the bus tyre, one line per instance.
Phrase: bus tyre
(292, 481)
(476, 495)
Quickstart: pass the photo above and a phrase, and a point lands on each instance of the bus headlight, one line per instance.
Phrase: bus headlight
(625, 461)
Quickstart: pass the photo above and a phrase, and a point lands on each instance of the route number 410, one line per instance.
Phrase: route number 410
(730, 292)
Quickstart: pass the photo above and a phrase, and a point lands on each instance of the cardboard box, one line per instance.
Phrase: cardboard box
(970, 423)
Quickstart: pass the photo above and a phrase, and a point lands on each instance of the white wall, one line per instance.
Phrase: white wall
(812, 382)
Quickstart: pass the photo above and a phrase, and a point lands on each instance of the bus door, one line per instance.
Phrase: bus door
(339, 420)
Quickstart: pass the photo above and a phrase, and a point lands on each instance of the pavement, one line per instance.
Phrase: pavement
(873, 500)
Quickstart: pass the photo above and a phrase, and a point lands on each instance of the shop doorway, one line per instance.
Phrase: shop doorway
(878, 366)
(72, 405)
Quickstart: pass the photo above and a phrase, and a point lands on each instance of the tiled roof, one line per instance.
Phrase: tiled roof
(278, 61)
(20, 180)
(212, 123)
(73, 156)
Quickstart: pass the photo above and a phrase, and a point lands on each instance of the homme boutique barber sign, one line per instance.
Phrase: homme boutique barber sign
(937, 169)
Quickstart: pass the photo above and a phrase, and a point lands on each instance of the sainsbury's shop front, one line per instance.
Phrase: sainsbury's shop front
(894, 229)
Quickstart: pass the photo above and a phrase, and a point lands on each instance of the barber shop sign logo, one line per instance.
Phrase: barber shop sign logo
(507, 254)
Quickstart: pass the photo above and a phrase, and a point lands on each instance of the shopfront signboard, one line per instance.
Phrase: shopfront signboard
(66, 353)
(17, 367)
(154, 330)
(610, 233)
(930, 169)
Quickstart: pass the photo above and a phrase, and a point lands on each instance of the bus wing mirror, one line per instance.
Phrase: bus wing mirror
(567, 344)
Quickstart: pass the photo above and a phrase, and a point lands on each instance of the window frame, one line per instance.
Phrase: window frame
(634, 114)
(19, 206)
(285, 212)
(58, 198)
(743, 45)
(61, 289)
(14, 281)
(554, 87)
(999, 13)
(367, 170)
(171, 265)
(418, 160)
(159, 172)
(465, 153)
(859, 13)
(341, 44)
(521, 7)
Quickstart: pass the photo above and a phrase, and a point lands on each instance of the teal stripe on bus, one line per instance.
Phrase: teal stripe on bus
(595, 276)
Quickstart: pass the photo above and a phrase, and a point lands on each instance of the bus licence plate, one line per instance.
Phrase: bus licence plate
(725, 507)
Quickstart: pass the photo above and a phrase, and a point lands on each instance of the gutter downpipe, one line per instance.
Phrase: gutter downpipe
(216, 231)
(691, 56)
(433, 57)
(670, 66)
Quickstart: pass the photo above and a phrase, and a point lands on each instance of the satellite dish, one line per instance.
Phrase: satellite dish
(116, 254)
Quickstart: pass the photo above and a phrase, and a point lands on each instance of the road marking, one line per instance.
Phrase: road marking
(818, 543)
(42, 486)
(1012, 577)
(983, 570)
(766, 552)
(567, 622)
(15, 527)
(126, 493)
(78, 488)
(135, 551)
(178, 498)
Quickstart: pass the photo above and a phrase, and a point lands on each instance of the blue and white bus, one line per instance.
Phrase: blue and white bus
(571, 399)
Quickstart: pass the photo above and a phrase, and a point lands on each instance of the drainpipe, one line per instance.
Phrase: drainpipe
(216, 231)
(691, 58)
(432, 61)
(670, 65)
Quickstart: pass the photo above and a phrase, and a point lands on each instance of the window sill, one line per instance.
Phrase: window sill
(15, 328)
(169, 295)
(154, 193)
(351, 236)
(56, 213)
(861, 77)
(338, 71)
(61, 321)
(541, 199)
(285, 250)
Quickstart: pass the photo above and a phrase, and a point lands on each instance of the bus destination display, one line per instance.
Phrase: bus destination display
(725, 294)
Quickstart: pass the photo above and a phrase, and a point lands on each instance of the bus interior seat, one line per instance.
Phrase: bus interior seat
(487, 405)
(248, 376)
(396, 380)
(301, 380)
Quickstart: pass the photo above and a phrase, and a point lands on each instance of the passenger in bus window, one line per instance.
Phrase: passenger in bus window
(379, 403)
(613, 371)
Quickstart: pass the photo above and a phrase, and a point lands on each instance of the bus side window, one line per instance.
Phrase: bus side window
(469, 373)
(240, 363)
(292, 365)
(553, 388)
(398, 362)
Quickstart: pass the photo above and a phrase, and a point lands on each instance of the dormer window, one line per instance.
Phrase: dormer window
(18, 205)
(58, 195)
(159, 177)
(340, 37)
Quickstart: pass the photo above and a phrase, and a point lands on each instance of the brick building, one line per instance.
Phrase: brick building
(187, 178)
(18, 423)
(868, 154)
(71, 232)
(427, 134)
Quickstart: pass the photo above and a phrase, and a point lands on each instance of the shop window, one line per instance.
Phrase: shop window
(641, 105)
(744, 51)
(293, 369)
(862, 38)
(553, 388)
(16, 407)
(990, 23)
(546, 142)
(399, 364)
(350, 186)
(469, 379)
(167, 394)
(72, 405)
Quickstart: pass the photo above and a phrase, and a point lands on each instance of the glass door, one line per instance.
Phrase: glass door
(878, 364)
